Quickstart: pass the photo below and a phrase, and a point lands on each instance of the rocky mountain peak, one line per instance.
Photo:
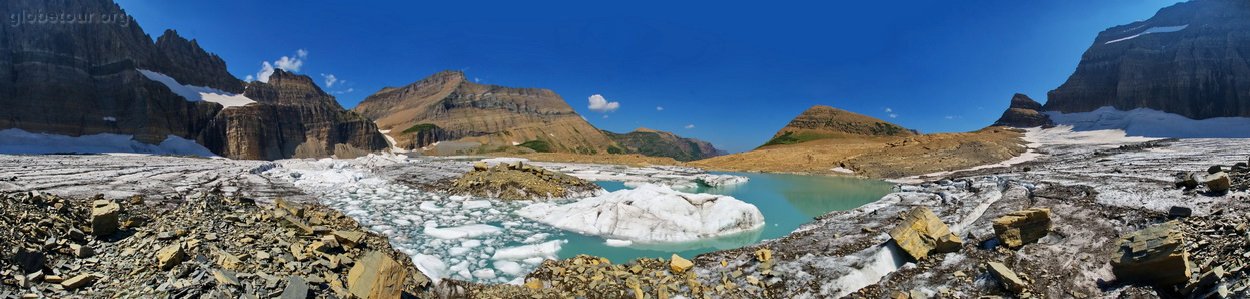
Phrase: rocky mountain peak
(186, 61)
(1187, 59)
(1023, 113)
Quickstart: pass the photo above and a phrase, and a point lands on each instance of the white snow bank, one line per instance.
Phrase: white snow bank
(651, 214)
(884, 260)
(431, 266)
(617, 243)
(542, 250)
(1153, 123)
(1162, 29)
(465, 231)
(21, 142)
(197, 93)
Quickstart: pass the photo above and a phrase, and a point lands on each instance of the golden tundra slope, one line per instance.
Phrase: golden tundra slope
(446, 106)
(824, 138)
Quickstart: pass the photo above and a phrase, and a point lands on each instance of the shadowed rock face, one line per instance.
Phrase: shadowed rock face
(1189, 59)
(489, 114)
(1023, 113)
(81, 78)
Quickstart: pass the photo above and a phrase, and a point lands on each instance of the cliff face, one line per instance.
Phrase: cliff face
(292, 110)
(446, 106)
(1023, 113)
(823, 122)
(655, 143)
(1191, 59)
(80, 78)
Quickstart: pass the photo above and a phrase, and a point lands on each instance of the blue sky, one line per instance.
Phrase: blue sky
(729, 73)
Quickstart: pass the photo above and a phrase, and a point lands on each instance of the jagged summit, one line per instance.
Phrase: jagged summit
(1023, 113)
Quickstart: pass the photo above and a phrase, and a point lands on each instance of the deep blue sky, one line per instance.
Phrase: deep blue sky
(736, 72)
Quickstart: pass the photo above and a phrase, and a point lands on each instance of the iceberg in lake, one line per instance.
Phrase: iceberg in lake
(651, 214)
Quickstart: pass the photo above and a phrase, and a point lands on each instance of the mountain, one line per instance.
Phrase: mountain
(108, 76)
(824, 122)
(655, 143)
(1191, 59)
(1023, 113)
(827, 140)
(448, 107)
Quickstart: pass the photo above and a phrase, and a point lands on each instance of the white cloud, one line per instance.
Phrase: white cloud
(952, 117)
(249, 78)
(600, 104)
(892, 115)
(659, 108)
(888, 110)
(288, 63)
(690, 126)
(330, 79)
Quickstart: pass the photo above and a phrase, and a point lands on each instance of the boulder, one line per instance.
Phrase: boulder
(1215, 169)
(1155, 256)
(680, 265)
(376, 276)
(1189, 181)
(1180, 212)
(763, 255)
(1022, 227)
(104, 218)
(1008, 278)
(480, 166)
(1218, 182)
(349, 238)
(29, 260)
(921, 232)
(1241, 167)
(170, 256)
(82, 251)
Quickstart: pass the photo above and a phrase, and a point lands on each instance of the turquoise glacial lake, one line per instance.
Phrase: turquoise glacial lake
(787, 201)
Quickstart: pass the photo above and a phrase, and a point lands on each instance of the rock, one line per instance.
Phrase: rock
(82, 251)
(763, 255)
(298, 225)
(229, 261)
(225, 278)
(104, 218)
(296, 288)
(289, 207)
(1215, 169)
(680, 265)
(1180, 212)
(376, 276)
(921, 232)
(1189, 181)
(1218, 182)
(29, 260)
(79, 281)
(480, 166)
(170, 256)
(1022, 227)
(349, 238)
(1155, 256)
(1008, 278)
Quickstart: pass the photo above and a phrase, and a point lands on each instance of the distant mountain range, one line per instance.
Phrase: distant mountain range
(63, 81)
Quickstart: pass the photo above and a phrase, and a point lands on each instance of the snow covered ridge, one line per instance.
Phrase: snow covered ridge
(1153, 123)
(1162, 29)
(651, 214)
(197, 93)
(21, 142)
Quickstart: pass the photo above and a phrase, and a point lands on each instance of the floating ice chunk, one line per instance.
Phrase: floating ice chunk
(509, 268)
(430, 265)
(466, 231)
(471, 243)
(457, 251)
(484, 274)
(651, 214)
(476, 204)
(618, 243)
(543, 250)
(535, 238)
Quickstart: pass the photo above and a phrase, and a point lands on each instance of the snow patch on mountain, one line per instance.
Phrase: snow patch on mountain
(1153, 123)
(1161, 29)
(198, 93)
